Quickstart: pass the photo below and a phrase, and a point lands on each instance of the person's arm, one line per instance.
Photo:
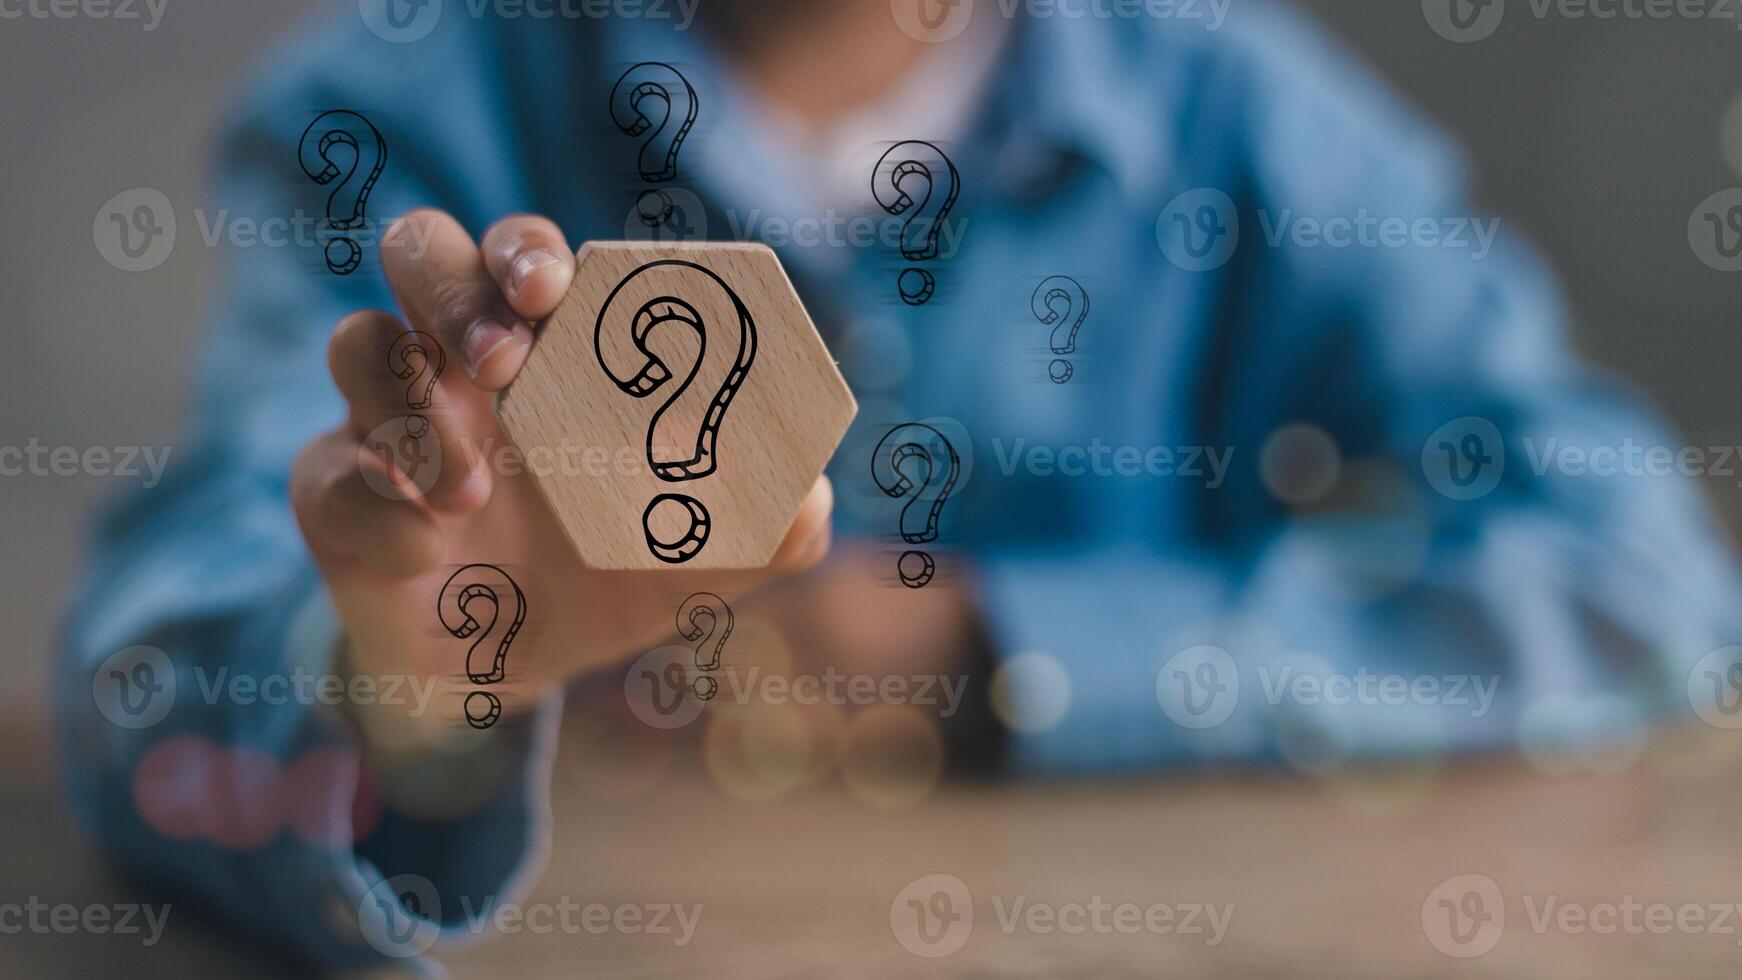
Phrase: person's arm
(285, 558)
(1587, 599)
(250, 808)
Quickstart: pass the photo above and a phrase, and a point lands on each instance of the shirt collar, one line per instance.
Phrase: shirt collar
(1081, 85)
(1066, 86)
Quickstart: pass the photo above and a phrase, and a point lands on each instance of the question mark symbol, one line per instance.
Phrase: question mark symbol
(705, 606)
(346, 204)
(916, 443)
(483, 584)
(418, 358)
(688, 295)
(413, 355)
(917, 179)
(629, 110)
(1053, 302)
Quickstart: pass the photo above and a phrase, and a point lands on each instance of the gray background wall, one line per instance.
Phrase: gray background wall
(1597, 137)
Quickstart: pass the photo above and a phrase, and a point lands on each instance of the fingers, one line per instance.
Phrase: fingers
(442, 283)
(531, 263)
(345, 520)
(386, 375)
(807, 541)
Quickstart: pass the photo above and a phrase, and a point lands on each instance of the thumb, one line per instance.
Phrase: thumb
(807, 540)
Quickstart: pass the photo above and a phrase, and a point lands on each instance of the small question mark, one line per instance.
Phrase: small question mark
(705, 606)
(480, 585)
(1053, 302)
(418, 358)
(332, 129)
(916, 442)
(413, 355)
(629, 110)
(894, 183)
(688, 295)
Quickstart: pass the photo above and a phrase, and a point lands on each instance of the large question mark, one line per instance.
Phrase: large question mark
(483, 708)
(915, 442)
(1054, 300)
(629, 110)
(346, 204)
(896, 184)
(688, 295)
(711, 609)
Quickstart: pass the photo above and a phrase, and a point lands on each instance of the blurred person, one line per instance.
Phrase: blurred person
(1321, 374)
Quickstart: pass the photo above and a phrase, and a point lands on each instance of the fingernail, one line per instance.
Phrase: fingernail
(482, 340)
(527, 266)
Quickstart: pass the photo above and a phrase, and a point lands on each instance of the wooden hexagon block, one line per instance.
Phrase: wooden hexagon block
(690, 389)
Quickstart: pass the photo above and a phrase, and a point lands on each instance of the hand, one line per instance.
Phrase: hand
(387, 555)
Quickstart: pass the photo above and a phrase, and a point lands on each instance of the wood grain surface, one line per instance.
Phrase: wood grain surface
(1327, 877)
(687, 374)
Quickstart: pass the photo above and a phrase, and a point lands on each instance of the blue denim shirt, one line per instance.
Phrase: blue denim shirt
(1304, 436)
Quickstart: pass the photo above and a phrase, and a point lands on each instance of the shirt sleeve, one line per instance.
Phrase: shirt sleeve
(198, 746)
(1507, 552)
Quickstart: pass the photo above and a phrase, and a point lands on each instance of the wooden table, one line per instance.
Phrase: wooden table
(1327, 877)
